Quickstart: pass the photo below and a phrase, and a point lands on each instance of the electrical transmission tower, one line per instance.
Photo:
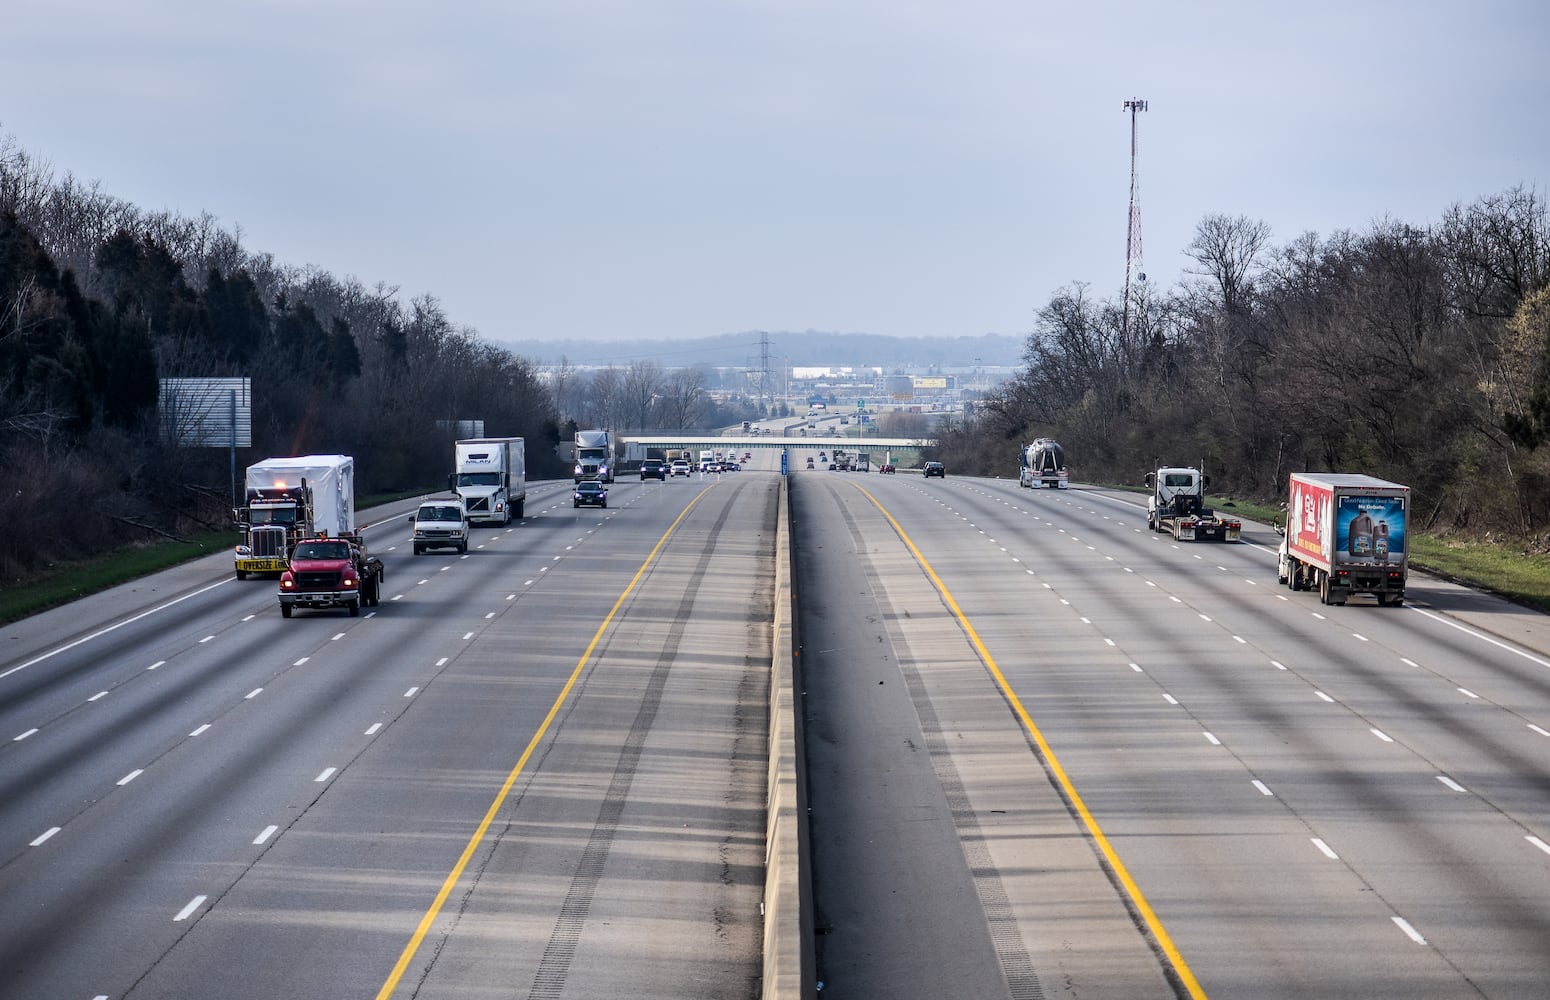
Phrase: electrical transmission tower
(1133, 270)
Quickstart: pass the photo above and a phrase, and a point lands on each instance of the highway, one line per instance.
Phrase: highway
(1049, 754)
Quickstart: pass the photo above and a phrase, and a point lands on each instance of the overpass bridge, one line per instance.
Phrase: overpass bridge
(754, 442)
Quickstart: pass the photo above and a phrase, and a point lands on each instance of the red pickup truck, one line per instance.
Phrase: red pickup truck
(331, 573)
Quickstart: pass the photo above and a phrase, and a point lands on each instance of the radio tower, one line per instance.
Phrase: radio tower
(1133, 270)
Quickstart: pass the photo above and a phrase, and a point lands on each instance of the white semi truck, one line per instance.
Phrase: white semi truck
(491, 477)
(288, 499)
(1345, 534)
(1178, 506)
(594, 456)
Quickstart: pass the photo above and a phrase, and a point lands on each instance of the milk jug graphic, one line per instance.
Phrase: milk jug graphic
(1359, 539)
(1380, 542)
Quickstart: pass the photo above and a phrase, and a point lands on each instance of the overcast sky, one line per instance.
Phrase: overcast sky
(671, 168)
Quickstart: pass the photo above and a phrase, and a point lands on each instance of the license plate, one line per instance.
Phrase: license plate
(263, 565)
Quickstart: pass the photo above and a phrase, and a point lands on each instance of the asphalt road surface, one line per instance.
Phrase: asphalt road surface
(1050, 754)
(534, 771)
(1046, 743)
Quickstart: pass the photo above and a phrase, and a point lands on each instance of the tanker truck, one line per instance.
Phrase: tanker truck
(1043, 463)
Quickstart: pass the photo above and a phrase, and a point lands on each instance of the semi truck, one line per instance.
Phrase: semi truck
(491, 477)
(594, 456)
(1345, 534)
(288, 499)
(1177, 505)
(1043, 463)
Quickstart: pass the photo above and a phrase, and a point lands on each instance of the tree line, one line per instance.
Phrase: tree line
(1419, 354)
(99, 300)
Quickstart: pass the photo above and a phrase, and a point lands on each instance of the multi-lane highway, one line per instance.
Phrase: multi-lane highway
(1048, 753)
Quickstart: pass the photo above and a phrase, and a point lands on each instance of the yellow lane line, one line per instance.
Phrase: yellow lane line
(1153, 923)
(402, 965)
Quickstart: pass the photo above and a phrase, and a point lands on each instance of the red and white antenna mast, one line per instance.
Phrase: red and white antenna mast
(1133, 271)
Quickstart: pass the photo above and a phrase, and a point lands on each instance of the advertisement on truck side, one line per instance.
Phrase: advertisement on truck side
(1370, 531)
(1307, 510)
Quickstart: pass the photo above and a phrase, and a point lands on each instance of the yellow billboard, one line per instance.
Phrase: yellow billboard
(929, 382)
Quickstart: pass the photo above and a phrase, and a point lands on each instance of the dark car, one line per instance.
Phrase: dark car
(935, 469)
(887, 468)
(590, 492)
(653, 468)
(731, 467)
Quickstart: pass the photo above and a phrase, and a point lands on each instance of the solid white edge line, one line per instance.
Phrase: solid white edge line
(188, 910)
(1410, 932)
(101, 632)
(1478, 635)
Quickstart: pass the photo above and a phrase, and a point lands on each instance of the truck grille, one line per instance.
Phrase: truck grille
(269, 543)
(478, 504)
(325, 580)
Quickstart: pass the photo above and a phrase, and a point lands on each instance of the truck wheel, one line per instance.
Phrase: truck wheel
(1397, 600)
(516, 511)
(355, 608)
(1324, 588)
(242, 574)
(462, 548)
(419, 551)
(285, 611)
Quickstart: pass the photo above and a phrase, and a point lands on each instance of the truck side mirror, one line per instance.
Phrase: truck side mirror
(411, 519)
(1151, 480)
(1205, 481)
(452, 481)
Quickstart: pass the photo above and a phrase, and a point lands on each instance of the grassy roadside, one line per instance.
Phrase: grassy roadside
(64, 583)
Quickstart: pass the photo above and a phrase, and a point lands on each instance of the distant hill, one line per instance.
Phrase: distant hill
(810, 347)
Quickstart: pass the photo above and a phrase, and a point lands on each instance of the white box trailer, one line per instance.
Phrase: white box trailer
(1346, 534)
(491, 477)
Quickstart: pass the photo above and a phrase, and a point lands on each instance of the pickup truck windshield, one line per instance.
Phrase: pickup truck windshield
(322, 550)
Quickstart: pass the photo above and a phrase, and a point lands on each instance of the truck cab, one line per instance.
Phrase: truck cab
(1177, 505)
(326, 572)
